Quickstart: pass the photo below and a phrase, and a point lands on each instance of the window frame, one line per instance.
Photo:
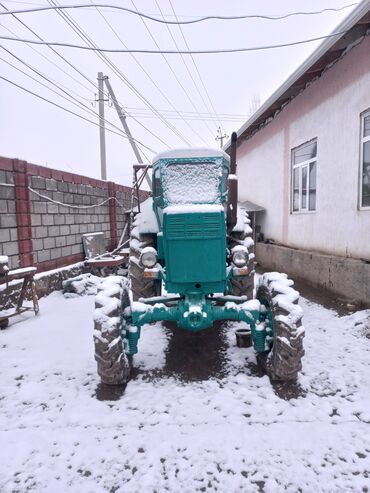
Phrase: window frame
(363, 139)
(303, 164)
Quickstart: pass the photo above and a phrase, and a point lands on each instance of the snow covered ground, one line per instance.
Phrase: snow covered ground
(179, 431)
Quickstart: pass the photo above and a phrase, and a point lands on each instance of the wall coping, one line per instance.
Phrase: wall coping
(9, 164)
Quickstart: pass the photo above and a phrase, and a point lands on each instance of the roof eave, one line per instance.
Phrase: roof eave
(320, 51)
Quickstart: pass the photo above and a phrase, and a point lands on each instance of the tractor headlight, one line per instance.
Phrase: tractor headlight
(148, 257)
(239, 255)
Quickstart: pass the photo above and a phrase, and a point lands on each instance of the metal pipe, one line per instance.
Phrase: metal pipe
(234, 138)
(232, 202)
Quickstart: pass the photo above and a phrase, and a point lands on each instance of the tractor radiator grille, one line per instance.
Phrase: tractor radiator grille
(193, 226)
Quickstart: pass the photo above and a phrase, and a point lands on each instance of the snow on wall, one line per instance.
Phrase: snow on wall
(329, 110)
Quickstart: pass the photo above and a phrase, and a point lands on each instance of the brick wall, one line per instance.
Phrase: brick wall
(44, 212)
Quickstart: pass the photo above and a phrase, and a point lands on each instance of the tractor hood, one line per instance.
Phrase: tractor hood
(194, 244)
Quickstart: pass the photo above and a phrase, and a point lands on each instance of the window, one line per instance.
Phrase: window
(365, 161)
(304, 162)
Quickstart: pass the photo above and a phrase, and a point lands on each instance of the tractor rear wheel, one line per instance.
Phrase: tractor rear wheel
(243, 285)
(283, 322)
(111, 300)
(141, 287)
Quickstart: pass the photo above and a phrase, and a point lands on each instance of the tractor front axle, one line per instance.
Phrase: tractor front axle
(193, 312)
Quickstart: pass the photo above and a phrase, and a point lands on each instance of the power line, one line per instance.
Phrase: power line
(54, 64)
(25, 3)
(76, 28)
(187, 69)
(53, 81)
(170, 68)
(143, 69)
(174, 52)
(80, 32)
(187, 112)
(72, 66)
(177, 22)
(131, 111)
(68, 98)
(69, 111)
(50, 47)
(92, 46)
(190, 118)
(195, 65)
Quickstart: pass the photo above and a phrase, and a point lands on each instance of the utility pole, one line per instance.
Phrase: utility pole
(221, 137)
(101, 100)
(122, 117)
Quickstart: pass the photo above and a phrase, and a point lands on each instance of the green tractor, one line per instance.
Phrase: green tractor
(191, 262)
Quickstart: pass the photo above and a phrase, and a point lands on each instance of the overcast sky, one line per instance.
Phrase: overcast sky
(35, 131)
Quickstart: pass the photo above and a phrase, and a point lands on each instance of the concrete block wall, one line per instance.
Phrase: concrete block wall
(44, 212)
(57, 229)
(123, 205)
(346, 278)
(8, 220)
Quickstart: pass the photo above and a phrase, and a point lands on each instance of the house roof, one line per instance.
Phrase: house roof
(352, 29)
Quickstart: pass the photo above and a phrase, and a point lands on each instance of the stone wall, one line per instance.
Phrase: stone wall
(45, 212)
(46, 283)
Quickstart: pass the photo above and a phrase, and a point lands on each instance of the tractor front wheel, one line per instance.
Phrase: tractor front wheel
(282, 317)
(112, 361)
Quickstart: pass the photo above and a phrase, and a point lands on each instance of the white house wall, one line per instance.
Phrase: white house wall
(329, 110)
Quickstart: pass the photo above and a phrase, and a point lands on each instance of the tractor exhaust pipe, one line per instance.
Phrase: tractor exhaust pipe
(232, 203)
(234, 138)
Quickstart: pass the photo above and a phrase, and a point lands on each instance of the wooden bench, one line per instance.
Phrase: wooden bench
(27, 274)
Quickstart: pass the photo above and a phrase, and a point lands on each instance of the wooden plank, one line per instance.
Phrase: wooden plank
(21, 273)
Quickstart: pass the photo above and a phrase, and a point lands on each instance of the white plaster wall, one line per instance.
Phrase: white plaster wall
(261, 181)
(329, 110)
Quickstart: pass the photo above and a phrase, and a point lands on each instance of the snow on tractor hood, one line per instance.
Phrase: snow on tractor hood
(192, 208)
(186, 152)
